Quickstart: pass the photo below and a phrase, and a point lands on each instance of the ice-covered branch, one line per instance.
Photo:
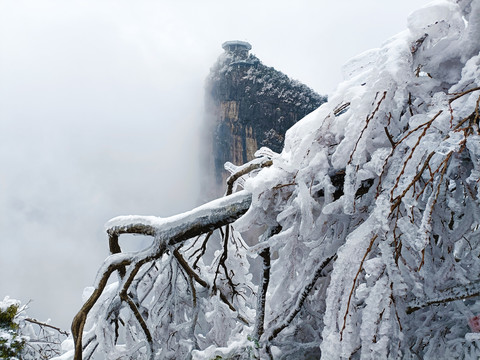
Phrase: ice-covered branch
(178, 228)
(446, 296)
(407, 125)
(167, 232)
(246, 169)
(184, 264)
(43, 324)
(300, 299)
(265, 280)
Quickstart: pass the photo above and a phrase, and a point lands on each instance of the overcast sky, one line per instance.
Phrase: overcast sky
(101, 107)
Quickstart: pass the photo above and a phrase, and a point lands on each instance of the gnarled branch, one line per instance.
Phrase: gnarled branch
(167, 232)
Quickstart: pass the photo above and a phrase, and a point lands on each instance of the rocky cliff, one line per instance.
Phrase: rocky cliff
(250, 105)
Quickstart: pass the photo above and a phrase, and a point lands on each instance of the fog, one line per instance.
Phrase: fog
(101, 108)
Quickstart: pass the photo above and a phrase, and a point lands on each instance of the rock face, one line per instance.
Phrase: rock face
(250, 105)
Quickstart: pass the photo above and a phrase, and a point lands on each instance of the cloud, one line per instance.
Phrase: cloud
(101, 108)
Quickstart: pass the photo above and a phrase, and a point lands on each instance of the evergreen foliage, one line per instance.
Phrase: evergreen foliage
(11, 342)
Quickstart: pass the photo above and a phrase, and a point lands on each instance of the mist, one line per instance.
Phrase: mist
(101, 107)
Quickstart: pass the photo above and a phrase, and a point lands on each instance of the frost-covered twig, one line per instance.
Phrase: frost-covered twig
(264, 281)
(178, 228)
(459, 95)
(397, 200)
(367, 121)
(372, 240)
(204, 283)
(183, 263)
(272, 334)
(201, 251)
(43, 324)
(245, 169)
(448, 295)
(425, 126)
(222, 264)
(79, 320)
(167, 232)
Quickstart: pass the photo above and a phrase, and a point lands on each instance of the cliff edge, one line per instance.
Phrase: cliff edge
(250, 105)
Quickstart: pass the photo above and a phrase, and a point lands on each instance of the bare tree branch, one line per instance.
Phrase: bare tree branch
(249, 167)
(167, 232)
(35, 321)
(265, 280)
(301, 299)
(446, 296)
(179, 228)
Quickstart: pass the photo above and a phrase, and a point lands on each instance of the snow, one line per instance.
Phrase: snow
(7, 302)
(172, 221)
(383, 178)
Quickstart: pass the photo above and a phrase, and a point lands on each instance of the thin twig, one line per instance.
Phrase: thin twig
(367, 121)
(390, 138)
(301, 298)
(354, 283)
(427, 126)
(398, 199)
(459, 95)
(445, 296)
(34, 321)
(245, 170)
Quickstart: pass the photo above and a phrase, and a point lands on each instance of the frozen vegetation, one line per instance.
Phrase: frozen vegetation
(370, 220)
(25, 338)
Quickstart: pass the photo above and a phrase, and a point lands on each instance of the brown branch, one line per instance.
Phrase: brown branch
(190, 272)
(428, 123)
(445, 296)
(177, 229)
(354, 283)
(459, 95)
(34, 321)
(417, 177)
(113, 235)
(183, 263)
(301, 298)
(139, 318)
(245, 170)
(367, 121)
(427, 126)
(201, 250)
(124, 296)
(221, 263)
(390, 138)
(172, 231)
(79, 320)
(392, 152)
